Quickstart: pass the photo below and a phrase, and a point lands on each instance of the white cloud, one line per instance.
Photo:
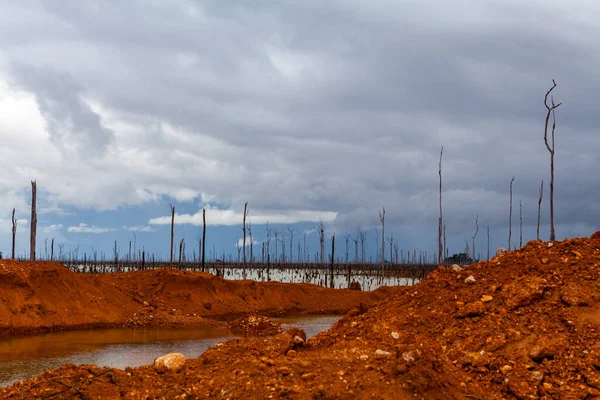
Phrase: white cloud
(216, 216)
(139, 228)
(85, 228)
(51, 228)
(240, 242)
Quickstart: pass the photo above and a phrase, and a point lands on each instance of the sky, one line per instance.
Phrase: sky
(307, 110)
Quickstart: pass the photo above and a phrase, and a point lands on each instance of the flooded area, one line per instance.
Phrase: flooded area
(24, 357)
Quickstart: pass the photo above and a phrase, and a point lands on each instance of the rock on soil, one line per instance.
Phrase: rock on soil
(538, 338)
(173, 362)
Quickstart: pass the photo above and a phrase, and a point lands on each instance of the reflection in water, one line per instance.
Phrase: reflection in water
(24, 357)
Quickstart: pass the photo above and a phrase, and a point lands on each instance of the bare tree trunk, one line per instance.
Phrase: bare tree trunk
(520, 224)
(476, 230)
(551, 151)
(445, 253)
(180, 252)
(172, 232)
(539, 209)
(321, 228)
(33, 230)
(440, 222)
(14, 233)
(331, 285)
(291, 233)
(251, 242)
(244, 238)
(382, 219)
(347, 236)
(52, 250)
(203, 236)
(510, 214)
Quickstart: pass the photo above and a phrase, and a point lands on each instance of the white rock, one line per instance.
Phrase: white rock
(470, 279)
(395, 335)
(170, 362)
(456, 268)
(382, 353)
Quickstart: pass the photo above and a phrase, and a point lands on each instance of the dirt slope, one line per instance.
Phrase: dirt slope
(526, 328)
(47, 296)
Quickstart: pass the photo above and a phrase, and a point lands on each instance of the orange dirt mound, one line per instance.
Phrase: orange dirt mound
(46, 296)
(527, 327)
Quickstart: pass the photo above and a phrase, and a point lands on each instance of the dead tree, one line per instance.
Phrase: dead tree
(382, 219)
(363, 239)
(347, 236)
(291, 231)
(203, 236)
(172, 232)
(550, 148)
(520, 224)
(539, 209)
(445, 253)
(244, 238)
(181, 251)
(14, 233)
(476, 230)
(440, 221)
(321, 229)
(251, 241)
(52, 250)
(331, 285)
(391, 240)
(33, 230)
(510, 214)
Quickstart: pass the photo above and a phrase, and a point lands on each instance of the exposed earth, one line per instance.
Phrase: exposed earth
(523, 325)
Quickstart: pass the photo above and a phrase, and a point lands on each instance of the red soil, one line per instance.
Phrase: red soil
(527, 328)
(47, 296)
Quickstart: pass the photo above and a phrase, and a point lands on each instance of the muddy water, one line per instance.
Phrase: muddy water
(24, 357)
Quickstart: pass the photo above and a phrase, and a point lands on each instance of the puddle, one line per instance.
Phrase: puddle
(24, 357)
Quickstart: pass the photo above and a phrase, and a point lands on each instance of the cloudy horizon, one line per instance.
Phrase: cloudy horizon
(306, 110)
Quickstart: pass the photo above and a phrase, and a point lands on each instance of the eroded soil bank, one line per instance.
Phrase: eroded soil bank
(44, 296)
(524, 325)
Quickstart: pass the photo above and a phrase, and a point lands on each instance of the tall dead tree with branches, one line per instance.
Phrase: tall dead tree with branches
(539, 209)
(475, 234)
(510, 214)
(203, 236)
(321, 230)
(172, 232)
(382, 219)
(14, 233)
(440, 221)
(550, 108)
(33, 230)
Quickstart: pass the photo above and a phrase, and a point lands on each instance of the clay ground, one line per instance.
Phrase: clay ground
(526, 327)
(46, 296)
